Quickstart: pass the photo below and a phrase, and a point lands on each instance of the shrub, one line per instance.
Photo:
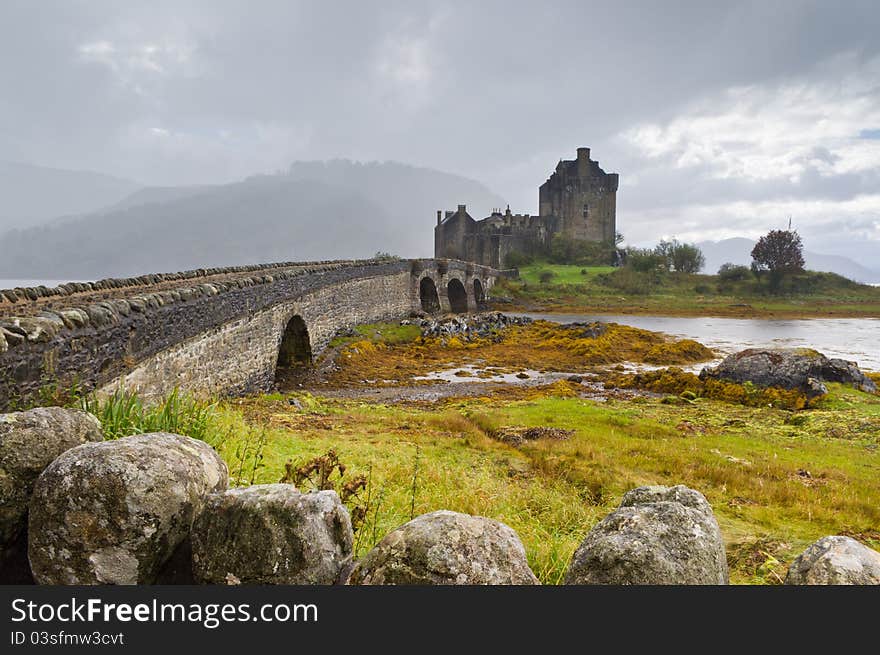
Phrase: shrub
(386, 256)
(645, 260)
(687, 258)
(733, 272)
(680, 257)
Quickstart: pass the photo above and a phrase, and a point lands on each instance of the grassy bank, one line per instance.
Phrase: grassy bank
(575, 289)
(776, 480)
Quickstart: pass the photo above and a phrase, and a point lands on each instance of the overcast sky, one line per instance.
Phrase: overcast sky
(722, 118)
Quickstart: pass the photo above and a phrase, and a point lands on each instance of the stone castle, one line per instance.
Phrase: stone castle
(578, 201)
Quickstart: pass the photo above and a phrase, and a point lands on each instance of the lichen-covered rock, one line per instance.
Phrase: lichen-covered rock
(446, 548)
(114, 512)
(272, 534)
(840, 370)
(658, 535)
(29, 441)
(789, 368)
(835, 561)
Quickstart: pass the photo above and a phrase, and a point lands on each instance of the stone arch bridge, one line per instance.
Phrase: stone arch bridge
(215, 331)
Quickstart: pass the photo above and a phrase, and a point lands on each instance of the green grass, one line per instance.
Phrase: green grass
(610, 290)
(750, 463)
(388, 333)
(562, 273)
(124, 413)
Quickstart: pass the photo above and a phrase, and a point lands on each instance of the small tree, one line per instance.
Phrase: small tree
(687, 258)
(680, 257)
(779, 252)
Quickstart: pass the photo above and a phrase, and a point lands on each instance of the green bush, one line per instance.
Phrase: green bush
(645, 260)
(687, 258)
(680, 257)
(733, 272)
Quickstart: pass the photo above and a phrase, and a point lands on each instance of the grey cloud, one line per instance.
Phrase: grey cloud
(494, 90)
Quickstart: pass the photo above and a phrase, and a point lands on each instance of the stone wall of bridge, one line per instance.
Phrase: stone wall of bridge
(218, 337)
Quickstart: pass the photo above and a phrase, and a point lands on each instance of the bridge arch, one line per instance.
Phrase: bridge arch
(295, 349)
(458, 299)
(428, 296)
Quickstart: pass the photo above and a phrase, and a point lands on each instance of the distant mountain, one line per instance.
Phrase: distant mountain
(739, 251)
(155, 195)
(316, 210)
(33, 194)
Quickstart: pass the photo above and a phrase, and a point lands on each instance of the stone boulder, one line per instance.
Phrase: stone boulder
(272, 534)
(29, 441)
(835, 561)
(446, 548)
(658, 535)
(114, 512)
(840, 370)
(789, 368)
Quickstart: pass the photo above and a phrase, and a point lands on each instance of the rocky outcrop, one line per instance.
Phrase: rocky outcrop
(468, 328)
(272, 534)
(29, 441)
(835, 561)
(446, 548)
(658, 535)
(114, 512)
(797, 368)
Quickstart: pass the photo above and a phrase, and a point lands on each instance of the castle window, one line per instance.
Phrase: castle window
(586, 210)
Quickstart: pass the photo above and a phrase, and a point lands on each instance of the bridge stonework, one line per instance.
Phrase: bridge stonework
(213, 333)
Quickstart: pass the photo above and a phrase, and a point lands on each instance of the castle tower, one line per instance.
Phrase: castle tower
(582, 197)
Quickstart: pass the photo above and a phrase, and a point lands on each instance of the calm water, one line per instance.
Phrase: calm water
(855, 339)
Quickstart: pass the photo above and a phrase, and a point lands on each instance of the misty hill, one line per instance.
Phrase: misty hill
(155, 195)
(33, 194)
(738, 251)
(317, 210)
